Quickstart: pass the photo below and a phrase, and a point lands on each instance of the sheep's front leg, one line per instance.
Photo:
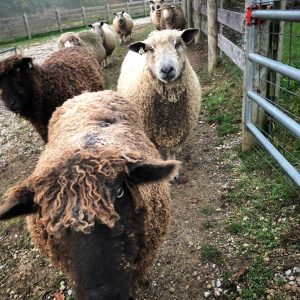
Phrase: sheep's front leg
(171, 154)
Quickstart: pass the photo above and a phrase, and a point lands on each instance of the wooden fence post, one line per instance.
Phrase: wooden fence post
(221, 3)
(190, 13)
(183, 6)
(58, 20)
(145, 8)
(27, 26)
(212, 34)
(127, 8)
(83, 16)
(197, 20)
(107, 12)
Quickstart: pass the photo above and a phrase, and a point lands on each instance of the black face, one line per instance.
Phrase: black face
(101, 263)
(15, 90)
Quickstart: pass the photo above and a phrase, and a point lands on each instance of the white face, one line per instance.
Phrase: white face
(165, 58)
(166, 13)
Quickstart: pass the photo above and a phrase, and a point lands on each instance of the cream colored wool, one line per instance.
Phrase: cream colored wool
(169, 110)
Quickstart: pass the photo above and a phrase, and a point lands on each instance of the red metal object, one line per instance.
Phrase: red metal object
(249, 15)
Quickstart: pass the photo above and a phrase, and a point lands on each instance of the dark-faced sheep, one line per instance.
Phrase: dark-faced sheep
(35, 91)
(155, 15)
(109, 38)
(171, 17)
(88, 39)
(161, 83)
(123, 24)
(98, 199)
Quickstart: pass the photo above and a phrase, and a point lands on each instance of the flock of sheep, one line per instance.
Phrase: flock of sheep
(98, 201)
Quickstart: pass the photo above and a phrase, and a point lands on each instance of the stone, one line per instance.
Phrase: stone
(206, 294)
(171, 290)
(287, 287)
(218, 283)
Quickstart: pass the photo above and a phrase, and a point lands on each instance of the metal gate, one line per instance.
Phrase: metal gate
(257, 14)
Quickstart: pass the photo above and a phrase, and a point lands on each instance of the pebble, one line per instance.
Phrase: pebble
(288, 272)
(171, 290)
(195, 273)
(293, 288)
(218, 283)
(70, 292)
(206, 294)
(62, 287)
(287, 287)
(209, 286)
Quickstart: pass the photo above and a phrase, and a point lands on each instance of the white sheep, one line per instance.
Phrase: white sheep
(123, 24)
(158, 78)
(88, 39)
(109, 37)
(155, 13)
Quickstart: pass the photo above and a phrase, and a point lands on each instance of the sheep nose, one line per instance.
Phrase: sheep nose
(167, 69)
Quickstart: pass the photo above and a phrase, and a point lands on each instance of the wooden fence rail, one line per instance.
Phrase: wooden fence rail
(59, 19)
(230, 19)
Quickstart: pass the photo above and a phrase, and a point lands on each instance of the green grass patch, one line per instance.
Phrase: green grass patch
(234, 227)
(211, 254)
(222, 98)
(207, 224)
(257, 279)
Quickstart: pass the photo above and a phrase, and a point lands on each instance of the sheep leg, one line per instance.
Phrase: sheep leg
(171, 154)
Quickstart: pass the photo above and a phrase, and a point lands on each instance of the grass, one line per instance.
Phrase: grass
(264, 202)
(222, 100)
(211, 254)
(257, 278)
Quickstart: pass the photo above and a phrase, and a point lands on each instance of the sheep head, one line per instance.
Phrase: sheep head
(97, 27)
(15, 82)
(90, 206)
(165, 52)
(121, 18)
(167, 11)
(156, 4)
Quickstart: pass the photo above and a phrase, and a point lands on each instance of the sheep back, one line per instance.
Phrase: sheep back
(90, 123)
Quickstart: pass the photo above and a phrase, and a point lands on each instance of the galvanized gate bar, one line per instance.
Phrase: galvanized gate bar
(276, 66)
(8, 50)
(276, 113)
(277, 15)
(288, 168)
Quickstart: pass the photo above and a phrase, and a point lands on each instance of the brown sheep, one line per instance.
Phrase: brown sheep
(123, 24)
(98, 199)
(35, 91)
(171, 17)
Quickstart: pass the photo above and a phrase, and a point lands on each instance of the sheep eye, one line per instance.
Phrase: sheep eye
(177, 44)
(120, 192)
(151, 49)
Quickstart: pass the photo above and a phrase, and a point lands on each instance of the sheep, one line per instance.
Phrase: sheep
(156, 13)
(34, 91)
(109, 38)
(161, 83)
(92, 41)
(123, 24)
(97, 203)
(171, 17)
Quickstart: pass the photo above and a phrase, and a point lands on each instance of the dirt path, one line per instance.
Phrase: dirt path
(180, 271)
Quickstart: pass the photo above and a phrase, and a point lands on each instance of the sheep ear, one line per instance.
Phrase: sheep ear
(115, 14)
(101, 24)
(172, 6)
(152, 171)
(91, 26)
(123, 12)
(189, 34)
(20, 202)
(26, 63)
(137, 46)
(151, 2)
